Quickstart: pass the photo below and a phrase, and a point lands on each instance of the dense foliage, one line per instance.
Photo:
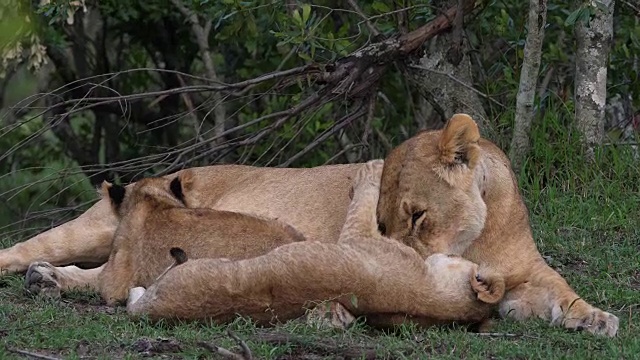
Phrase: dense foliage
(55, 150)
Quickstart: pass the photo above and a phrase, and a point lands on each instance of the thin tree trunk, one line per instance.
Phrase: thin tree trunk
(593, 44)
(201, 32)
(528, 81)
(444, 76)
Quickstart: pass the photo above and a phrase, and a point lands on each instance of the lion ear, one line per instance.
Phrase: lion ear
(459, 142)
(115, 193)
(181, 183)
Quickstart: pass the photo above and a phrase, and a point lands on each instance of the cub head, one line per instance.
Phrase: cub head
(431, 189)
(155, 192)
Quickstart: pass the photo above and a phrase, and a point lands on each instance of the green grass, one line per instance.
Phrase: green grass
(594, 245)
(584, 218)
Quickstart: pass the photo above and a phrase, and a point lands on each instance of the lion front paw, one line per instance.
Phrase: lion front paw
(369, 174)
(587, 318)
(42, 279)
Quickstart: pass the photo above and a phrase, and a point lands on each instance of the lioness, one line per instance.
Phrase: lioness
(386, 277)
(445, 191)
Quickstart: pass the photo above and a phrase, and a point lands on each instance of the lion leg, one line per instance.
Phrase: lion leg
(117, 278)
(45, 279)
(548, 296)
(361, 222)
(84, 239)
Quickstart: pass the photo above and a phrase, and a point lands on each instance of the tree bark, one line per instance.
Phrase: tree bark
(528, 81)
(444, 74)
(593, 44)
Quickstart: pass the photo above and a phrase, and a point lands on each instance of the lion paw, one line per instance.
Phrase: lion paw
(42, 279)
(488, 285)
(369, 174)
(587, 318)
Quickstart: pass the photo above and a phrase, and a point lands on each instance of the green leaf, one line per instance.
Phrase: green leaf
(380, 7)
(571, 19)
(600, 5)
(306, 12)
(354, 301)
(297, 18)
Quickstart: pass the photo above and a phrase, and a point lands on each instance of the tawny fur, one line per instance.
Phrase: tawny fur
(154, 220)
(384, 276)
(480, 215)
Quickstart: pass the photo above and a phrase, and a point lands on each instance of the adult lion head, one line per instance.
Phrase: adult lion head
(431, 195)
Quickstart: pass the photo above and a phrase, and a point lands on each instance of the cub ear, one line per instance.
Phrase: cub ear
(179, 255)
(181, 183)
(115, 193)
(459, 142)
(488, 284)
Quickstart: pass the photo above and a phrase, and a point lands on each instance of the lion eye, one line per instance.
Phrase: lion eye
(416, 215)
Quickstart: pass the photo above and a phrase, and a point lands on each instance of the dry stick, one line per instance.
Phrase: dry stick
(341, 124)
(366, 20)
(32, 355)
(453, 78)
(245, 355)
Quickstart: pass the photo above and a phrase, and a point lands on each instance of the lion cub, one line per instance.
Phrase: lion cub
(365, 272)
(154, 219)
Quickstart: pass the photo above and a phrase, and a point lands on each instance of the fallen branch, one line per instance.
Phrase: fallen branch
(30, 354)
(245, 355)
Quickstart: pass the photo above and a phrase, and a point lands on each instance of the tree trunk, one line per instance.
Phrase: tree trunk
(528, 81)
(444, 75)
(593, 43)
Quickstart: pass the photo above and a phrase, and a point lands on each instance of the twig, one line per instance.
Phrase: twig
(506, 335)
(366, 20)
(635, 8)
(497, 334)
(339, 125)
(31, 355)
(245, 355)
(453, 78)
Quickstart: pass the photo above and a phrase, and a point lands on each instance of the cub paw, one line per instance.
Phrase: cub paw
(588, 318)
(488, 284)
(134, 295)
(42, 279)
(369, 174)
(331, 315)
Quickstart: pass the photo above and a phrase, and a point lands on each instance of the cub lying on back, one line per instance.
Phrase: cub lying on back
(153, 219)
(388, 279)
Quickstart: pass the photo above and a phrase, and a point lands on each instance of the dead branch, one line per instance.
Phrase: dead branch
(31, 355)
(245, 355)
(348, 119)
(366, 20)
